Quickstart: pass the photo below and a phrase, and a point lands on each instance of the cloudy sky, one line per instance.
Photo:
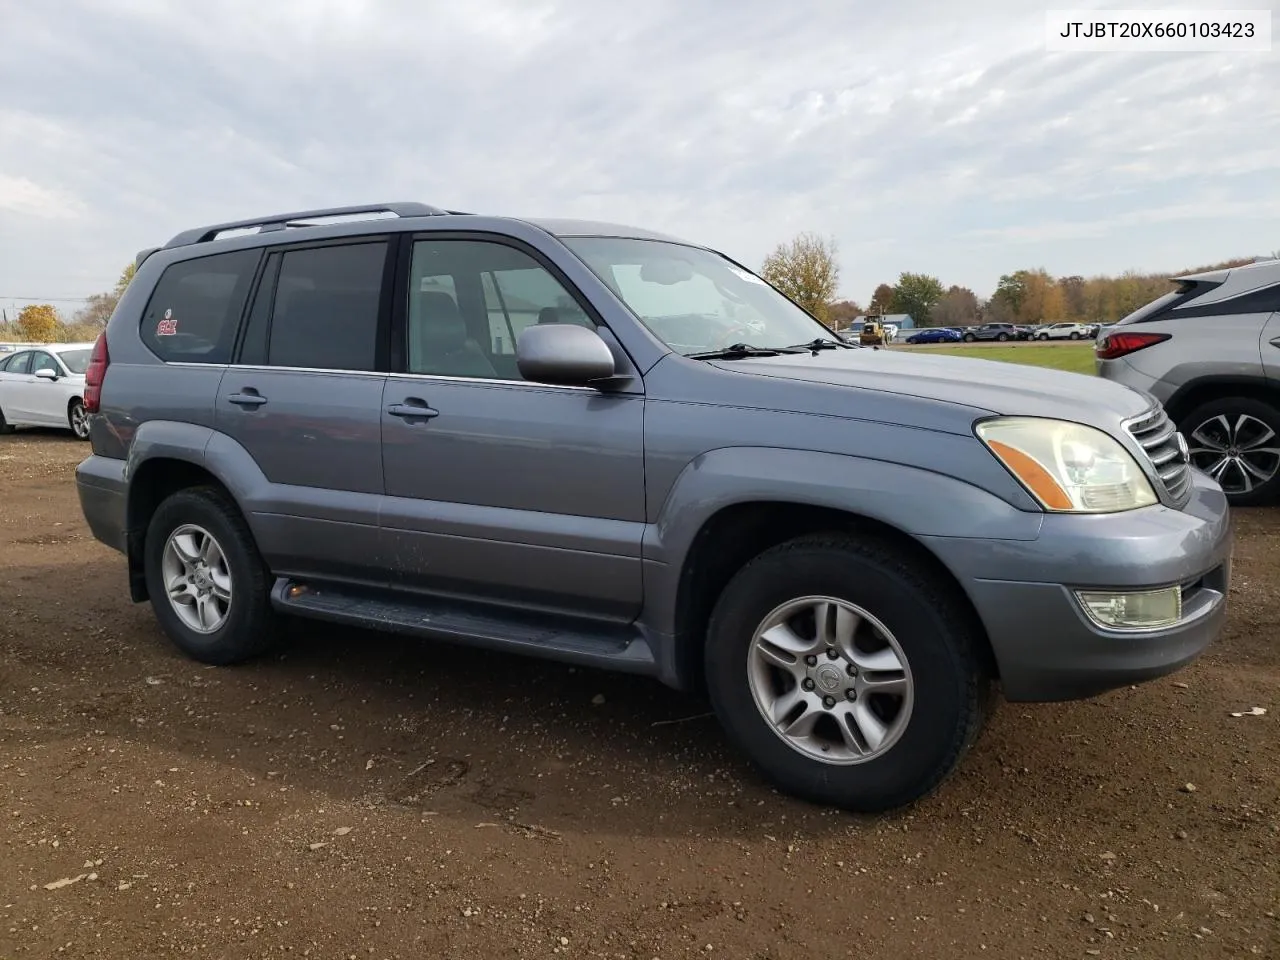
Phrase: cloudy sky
(922, 136)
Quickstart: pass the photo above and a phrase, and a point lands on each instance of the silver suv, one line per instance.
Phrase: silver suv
(1210, 352)
(610, 447)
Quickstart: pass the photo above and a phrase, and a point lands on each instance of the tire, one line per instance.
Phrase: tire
(946, 688)
(76, 414)
(1214, 424)
(4, 425)
(1074, 335)
(1042, 336)
(969, 338)
(1002, 337)
(248, 625)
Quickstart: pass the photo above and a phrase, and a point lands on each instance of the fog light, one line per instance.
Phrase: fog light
(1133, 610)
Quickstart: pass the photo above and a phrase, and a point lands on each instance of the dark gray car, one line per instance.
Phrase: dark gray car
(614, 448)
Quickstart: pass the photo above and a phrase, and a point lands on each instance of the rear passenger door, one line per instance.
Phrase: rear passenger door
(303, 399)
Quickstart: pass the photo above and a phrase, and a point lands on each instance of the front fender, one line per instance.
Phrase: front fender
(917, 502)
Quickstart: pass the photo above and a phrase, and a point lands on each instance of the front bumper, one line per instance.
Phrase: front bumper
(104, 496)
(1046, 647)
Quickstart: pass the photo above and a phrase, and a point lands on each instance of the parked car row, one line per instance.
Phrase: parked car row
(1003, 332)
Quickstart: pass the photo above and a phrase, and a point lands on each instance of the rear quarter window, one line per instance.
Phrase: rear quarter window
(194, 311)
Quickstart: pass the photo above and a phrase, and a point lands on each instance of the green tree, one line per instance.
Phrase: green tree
(1010, 293)
(806, 271)
(917, 294)
(882, 300)
(125, 278)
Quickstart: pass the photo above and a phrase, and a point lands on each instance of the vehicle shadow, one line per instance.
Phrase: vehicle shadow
(373, 718)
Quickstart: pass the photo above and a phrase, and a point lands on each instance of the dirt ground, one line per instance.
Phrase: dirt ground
(361, 796)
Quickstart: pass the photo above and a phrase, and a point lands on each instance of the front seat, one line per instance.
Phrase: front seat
(438, 341)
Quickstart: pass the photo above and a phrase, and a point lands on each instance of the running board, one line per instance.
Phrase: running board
(585, 642)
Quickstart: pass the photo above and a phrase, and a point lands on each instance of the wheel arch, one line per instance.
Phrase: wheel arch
(736, 534)
(1207, 389)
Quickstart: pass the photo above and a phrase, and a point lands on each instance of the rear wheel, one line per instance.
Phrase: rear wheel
(1074, 335)
(845, 673)
(969, 338)
(209, 587)
(1002, 337)
(1236, 441)
(78, 419)
(1042, 336)
(4, 424)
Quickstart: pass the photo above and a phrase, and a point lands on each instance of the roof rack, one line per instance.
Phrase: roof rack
(280, 221)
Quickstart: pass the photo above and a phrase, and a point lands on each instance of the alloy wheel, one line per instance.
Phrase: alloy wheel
(197, 578)
(1241, 453)
(830, 680)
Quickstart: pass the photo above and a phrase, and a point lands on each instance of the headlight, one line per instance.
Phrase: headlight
(1068, 467)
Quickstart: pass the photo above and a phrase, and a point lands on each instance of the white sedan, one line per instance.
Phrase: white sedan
(1063, 331)
(43, 386)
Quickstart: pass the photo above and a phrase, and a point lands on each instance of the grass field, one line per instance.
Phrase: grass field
(1074, 357)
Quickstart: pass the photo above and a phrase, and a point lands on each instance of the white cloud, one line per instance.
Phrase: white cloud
(921, 135)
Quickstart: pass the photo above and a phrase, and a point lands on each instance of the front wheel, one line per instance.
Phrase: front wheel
(969, 338)
(846, 673)
(78, 419)
(1003, 337)
(209, 587)
(1042, 336)
(1075, 335)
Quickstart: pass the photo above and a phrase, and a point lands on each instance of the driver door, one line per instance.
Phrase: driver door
(504, 490)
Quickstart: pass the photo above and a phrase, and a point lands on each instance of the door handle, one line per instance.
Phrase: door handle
(250, 398)
(412, 409)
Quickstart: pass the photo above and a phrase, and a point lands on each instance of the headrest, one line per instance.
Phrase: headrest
(440, 325)
(548, 315)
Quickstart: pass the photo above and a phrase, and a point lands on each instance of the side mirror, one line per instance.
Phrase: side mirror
(565, 354)
(46, 374)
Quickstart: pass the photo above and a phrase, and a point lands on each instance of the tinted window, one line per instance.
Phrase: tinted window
(468, 302)
(326, 308)
(18, 363)
(195, 310)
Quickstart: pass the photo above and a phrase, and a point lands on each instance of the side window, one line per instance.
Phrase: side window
(18, 363)
(325, 313)
(469, 327)
(195, 309)
(43, 361)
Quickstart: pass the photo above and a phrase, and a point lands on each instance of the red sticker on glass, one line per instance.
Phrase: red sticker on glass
(168, 326)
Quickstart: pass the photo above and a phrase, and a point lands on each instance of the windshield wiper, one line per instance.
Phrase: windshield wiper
(737, 351)
(824, 344)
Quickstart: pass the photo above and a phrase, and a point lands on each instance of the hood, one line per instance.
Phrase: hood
(994, 386)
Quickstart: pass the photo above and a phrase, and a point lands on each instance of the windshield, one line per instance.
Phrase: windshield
(694, 300)
(77, 361)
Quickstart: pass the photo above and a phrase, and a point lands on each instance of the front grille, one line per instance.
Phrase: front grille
(1158, 438)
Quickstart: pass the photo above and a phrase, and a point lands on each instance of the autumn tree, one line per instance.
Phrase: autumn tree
(1073, 296)
(916, 294)
(99, 307)
(841, 313)
(806, 271)
(882, 300)
(1042, 299)
(957, 308)
(39, 323)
